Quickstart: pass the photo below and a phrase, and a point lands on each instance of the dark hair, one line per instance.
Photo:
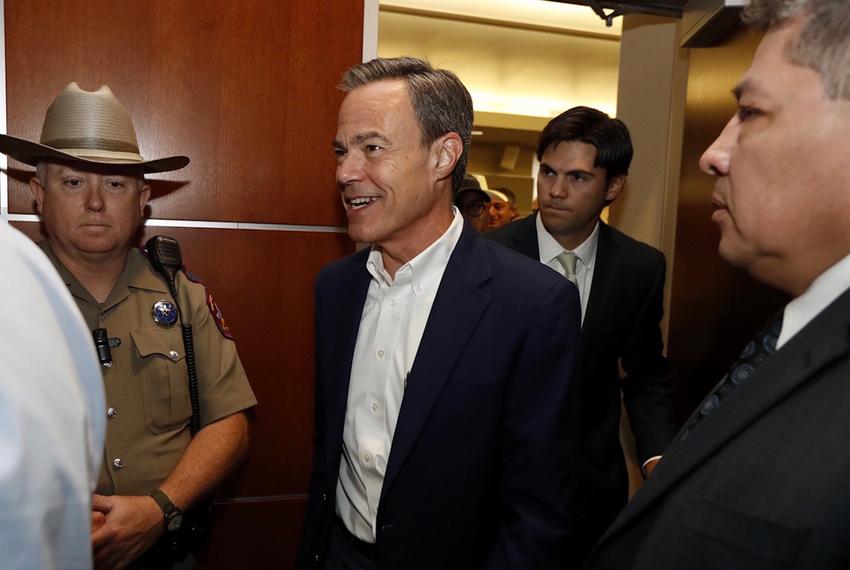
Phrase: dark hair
(583, 124)
(441, 102)
(824, 42)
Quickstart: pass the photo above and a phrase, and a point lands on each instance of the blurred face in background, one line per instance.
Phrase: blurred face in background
(499, 213)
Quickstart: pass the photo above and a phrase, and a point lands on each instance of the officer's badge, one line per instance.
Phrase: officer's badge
(164, 313)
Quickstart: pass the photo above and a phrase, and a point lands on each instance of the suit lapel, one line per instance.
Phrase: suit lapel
(823, 340)
(347, 325)
(524, 237)
(456, 311)
(604, 278)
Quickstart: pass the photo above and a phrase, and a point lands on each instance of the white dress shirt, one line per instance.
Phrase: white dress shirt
(550, 249)
(52, 415)
(825, 289)
(393, 321)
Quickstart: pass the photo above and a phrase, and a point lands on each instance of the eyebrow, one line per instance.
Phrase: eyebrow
(738, 90)
(746, 86)
(363, 137)
(573, 171)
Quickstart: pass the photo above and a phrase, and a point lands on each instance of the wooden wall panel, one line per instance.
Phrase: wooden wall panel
(246, 88)
(715, 309)
(237, 542)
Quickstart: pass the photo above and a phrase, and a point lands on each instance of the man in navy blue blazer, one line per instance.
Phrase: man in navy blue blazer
(446, 432)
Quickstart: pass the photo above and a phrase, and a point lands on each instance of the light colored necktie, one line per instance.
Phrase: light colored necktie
(568, 260)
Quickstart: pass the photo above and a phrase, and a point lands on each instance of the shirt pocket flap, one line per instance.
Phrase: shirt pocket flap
(153, 341)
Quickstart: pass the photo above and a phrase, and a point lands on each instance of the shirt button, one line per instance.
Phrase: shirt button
(117, 463)
(173, 354)
(367, 458)
(375, 406)
(394, 302)
(380, 354)
(111, 412)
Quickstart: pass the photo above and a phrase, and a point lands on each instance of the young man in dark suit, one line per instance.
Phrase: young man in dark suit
(584, 159)
(757, 478)
(445, 403)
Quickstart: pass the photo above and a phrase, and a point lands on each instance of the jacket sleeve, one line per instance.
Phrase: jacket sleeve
(540, 437)
(647, 384)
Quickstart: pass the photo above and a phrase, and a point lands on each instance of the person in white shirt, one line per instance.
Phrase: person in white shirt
(446, 408)
(758, 476)
(52, 418)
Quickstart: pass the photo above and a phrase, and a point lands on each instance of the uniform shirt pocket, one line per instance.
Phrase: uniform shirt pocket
(159, 366)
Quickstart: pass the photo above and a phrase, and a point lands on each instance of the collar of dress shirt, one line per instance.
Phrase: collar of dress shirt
(424, 270)
(823, 291)
(550, 248)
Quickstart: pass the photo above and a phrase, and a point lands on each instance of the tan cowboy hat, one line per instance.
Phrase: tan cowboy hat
(91, 127)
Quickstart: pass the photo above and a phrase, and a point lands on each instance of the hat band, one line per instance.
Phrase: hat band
(91, 143)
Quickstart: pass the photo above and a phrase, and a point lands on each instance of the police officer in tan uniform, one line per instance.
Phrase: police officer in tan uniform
(90, 191)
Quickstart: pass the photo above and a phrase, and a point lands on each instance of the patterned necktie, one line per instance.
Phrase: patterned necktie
(568, 260)
(754, 354)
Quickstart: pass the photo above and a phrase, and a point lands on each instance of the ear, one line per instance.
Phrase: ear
(615, 186)
(144, 196)
(445, 152)
(38, 193)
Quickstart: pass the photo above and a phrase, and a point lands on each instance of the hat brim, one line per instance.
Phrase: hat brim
(32, 153)
(478, 191)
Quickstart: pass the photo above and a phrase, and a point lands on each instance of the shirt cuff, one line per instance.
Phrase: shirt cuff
(643, 465)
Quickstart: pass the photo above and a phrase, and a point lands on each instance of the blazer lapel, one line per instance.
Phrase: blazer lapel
(347, 325)
(604, 278)
(524, 237)
(457, 309)
(823, 340)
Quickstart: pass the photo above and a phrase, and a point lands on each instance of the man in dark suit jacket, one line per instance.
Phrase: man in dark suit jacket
(584, 158)
(758, 477)
(444, 386)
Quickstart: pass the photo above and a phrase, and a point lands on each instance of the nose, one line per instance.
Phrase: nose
(349, 169)
(560, 187)
(94, 198)
(716, 158)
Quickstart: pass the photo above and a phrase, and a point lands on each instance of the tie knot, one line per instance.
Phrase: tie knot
(568, 260)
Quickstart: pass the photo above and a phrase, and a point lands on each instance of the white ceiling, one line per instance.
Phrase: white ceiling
(519, 73)
(535, 13)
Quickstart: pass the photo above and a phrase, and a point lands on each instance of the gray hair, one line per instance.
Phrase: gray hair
(439, 99)
(824, 42)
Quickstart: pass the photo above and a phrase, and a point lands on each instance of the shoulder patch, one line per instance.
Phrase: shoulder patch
(215, 311)
(218, 317)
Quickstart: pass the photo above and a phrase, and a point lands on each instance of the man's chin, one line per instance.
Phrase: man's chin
(96, 246)
(734, 253)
